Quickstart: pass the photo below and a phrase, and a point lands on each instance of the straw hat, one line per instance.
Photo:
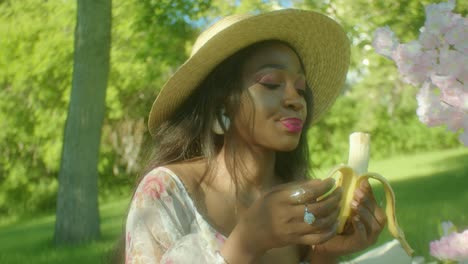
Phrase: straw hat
(319, 41)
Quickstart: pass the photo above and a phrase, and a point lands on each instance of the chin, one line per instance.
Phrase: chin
(287, 146)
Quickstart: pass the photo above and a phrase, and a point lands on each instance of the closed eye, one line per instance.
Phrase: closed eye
(271, 86)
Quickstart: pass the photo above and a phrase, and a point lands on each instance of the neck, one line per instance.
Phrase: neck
(255, 170)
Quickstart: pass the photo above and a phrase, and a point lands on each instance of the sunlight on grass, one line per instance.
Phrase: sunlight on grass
(421, 165)
(32, 239)
(430, 188)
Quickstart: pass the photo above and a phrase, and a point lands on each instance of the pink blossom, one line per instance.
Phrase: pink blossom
(414, 64)
(430, 110)
(429, 40)
(451, 247)
(452, 91)
(438, 16)
(455, 120)
(451, 62)
(385, 41)
(433, 111)
(438, 61)
(154, 187)
(457, 34)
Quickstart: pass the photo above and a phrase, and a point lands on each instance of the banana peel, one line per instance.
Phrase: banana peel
(349, 178)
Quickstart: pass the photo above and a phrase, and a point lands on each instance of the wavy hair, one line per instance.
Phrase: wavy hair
(188, 134)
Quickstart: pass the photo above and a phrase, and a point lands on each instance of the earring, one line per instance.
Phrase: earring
(220, 128)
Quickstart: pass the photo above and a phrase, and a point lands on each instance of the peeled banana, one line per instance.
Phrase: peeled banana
(349, 177)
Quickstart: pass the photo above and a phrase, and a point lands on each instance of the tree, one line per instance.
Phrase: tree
(77, 203)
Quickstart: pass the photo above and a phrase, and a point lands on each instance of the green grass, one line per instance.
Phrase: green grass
(30, 241)
(430, 188)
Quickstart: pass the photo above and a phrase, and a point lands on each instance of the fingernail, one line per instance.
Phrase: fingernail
(365, 184)
(359, 194)
(354, 204)
(356, 218)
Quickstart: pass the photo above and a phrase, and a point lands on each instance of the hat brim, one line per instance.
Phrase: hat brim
(319, 41)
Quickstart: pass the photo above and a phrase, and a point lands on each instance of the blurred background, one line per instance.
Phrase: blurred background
(150, 39)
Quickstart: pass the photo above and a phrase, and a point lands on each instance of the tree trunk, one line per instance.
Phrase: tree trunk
(77, 199)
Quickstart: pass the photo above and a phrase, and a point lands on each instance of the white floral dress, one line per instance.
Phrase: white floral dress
(164, 226)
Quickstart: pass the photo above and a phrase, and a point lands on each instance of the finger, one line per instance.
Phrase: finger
(373, 228)
(366, 198)
(364, 194)
(366, 188)
(309, 191)
(362, 199)
(336, 194)
(359, 228)
(319, 226)
(319, 209)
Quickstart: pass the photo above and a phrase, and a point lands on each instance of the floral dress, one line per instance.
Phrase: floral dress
(164, 226)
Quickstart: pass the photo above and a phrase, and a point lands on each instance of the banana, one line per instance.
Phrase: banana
(349, 177)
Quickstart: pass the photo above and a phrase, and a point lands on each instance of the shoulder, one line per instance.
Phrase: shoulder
(190, 173)
(156, 185)
(162, 197)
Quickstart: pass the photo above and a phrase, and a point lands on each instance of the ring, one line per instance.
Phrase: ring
(309, 217)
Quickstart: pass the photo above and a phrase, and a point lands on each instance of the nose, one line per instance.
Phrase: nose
(293, 98)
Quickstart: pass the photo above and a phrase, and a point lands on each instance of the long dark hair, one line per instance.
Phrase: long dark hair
(188, 134)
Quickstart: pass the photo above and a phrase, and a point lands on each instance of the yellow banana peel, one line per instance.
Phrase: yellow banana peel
(349, 178)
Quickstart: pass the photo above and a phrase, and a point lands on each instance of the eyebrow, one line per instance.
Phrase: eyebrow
(276, 66)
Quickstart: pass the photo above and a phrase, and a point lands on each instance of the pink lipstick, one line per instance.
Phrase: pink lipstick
(293, 125)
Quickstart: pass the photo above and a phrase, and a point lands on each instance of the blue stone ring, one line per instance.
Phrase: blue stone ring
(309, 217)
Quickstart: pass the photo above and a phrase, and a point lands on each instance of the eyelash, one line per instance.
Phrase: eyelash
(271, 86)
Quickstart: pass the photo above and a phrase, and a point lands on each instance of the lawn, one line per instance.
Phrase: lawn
(430, 188)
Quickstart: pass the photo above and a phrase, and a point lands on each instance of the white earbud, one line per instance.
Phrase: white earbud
(217, 128)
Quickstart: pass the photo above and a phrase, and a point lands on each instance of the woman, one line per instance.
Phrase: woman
(228, 182)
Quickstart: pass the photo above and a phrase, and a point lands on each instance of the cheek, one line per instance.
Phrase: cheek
(265, 103)
(254, 111)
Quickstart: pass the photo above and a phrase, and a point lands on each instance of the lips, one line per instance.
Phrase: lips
(293, 125)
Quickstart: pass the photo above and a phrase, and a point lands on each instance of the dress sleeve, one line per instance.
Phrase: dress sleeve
(161, 225)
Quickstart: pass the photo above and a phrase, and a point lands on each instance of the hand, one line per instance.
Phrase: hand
(277, 219)
(362, 229)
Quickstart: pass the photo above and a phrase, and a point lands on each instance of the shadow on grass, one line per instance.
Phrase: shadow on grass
(458, 162)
